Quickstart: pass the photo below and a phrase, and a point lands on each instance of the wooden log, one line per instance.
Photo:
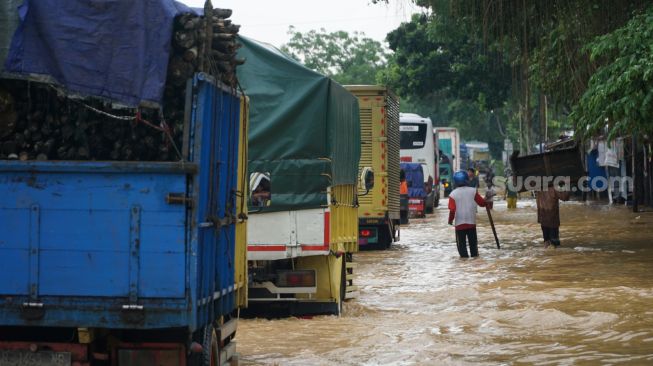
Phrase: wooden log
(222, 13)
(190, 54)
(8, 114)
(225, 46)
(185, 39)
(179, 71)
(221, 56)
(224, 36)
(9, 147)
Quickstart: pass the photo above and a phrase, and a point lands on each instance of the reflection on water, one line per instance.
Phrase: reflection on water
(587, 302)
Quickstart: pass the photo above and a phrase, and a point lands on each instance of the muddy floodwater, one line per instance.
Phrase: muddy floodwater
(588, 302)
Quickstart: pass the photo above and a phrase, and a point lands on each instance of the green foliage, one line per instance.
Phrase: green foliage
(445, 74)
(347, 58)
(592, 57)
(433, 57)
(619, 97)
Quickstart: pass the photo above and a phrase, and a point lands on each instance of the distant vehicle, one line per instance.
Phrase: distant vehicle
(446, 175)
(436, 178)
(464, 157)
(450, 162)
(416, 193)
(417, 146)
(449, 140)
(479, 155)
(378, 208)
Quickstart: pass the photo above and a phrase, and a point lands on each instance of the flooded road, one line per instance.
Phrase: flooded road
(588, 302)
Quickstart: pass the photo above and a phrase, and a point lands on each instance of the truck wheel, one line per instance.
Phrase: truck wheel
(210, 351)
(385, 237)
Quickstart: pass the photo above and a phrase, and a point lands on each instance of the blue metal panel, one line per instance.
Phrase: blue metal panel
(74, 229)
(215, 115)
(89, 312)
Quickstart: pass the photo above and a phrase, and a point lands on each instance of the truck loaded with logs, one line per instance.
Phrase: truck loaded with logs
(122, 157)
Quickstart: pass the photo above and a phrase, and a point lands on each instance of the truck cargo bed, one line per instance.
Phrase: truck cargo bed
(135, 245)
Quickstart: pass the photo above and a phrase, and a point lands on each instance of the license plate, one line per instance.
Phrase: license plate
(41, 358)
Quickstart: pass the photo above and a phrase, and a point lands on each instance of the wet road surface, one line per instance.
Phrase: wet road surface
(588, 302)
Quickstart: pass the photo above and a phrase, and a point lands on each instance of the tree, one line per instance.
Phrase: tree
(432, 56)
(619, 99)
(450, 77)
(545, 39)
(347, 58)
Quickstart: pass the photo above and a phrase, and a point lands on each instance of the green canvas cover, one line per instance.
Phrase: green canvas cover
(304, 127)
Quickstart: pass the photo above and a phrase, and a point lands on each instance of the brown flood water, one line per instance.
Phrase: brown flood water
(588, 302)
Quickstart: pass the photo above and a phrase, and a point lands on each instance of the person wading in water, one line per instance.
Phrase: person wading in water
(462, 208)
(548, 213)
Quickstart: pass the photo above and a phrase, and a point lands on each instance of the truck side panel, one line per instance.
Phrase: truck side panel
(83, 239)
(69, 225)
(343, 220)
(379, 111)
(216, 117)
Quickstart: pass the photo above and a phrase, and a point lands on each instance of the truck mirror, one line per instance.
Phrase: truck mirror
(260, 190)
(367, 179)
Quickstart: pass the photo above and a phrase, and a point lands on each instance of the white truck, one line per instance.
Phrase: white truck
(304, 149)
(417, 146)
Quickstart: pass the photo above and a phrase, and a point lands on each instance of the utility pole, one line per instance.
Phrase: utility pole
(546, 119)
(634, 187)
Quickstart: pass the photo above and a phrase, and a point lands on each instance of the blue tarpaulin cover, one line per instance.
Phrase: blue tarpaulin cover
(115, 49)
(414, 179)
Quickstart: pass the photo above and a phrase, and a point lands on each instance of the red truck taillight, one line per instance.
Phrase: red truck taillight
(298, 278)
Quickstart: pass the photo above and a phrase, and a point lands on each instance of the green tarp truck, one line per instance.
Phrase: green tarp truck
(304, 148)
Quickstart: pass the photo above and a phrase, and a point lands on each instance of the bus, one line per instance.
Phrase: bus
(416, 146)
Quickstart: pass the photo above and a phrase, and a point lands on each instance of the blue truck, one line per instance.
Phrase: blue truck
(131, 261)
(117, 261)
(416, 193)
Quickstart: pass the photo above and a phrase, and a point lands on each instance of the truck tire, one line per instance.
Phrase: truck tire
(429, 203)
(210, 355)
(385, 237)
(210, 349)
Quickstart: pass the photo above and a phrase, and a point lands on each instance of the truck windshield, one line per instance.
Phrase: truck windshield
(413, 135)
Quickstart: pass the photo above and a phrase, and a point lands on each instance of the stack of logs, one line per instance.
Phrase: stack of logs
(37, 123)
(189, 55)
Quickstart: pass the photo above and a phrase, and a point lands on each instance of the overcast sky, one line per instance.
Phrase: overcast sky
(268, 21)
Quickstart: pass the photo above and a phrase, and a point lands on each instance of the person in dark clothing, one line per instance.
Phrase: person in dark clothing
(472, 178)
(489, 178)
(462, 207)
(548, 214)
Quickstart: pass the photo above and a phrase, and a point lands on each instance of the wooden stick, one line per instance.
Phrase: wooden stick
(494, 230)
